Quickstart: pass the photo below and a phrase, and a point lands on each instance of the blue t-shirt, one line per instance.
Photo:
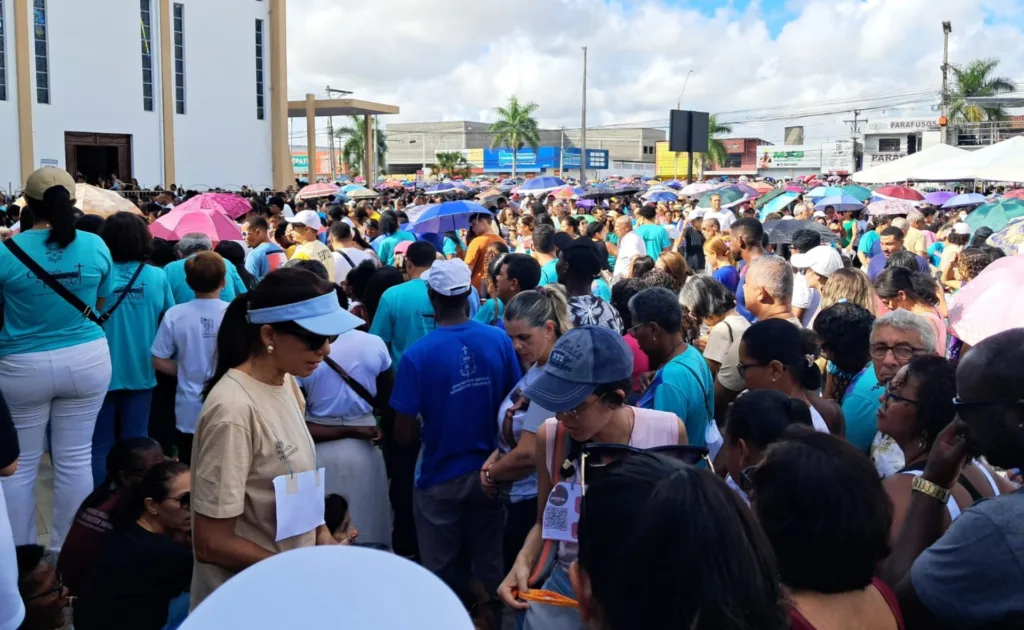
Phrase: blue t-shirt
(860, 406)
(175, 272)
(655, 237)
(741, 304)
(491, 313)
(455, 379)
(548, 275)
(684, 387)
(935, 253)
(877, 265)
(601, 289)
(403, 316)
(35, 318)
(870, 244)
(728, 276)
(264, 258)
(132, 327)
(386, 250)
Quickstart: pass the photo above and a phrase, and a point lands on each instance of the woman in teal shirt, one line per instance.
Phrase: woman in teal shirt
(130, 331)
(392, 237)
(54, 361)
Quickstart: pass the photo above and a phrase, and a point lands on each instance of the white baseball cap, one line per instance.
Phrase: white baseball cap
(449, 277)
(961, 228)
(697, 214)
(308, 218)
(823, 260)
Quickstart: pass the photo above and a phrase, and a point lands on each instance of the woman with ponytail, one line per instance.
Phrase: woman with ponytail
(534, 320)
(251, 439)
(54, 358)
(916, 292)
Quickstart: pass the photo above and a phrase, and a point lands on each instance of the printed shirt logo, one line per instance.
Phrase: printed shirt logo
(467, 365)
(209, 327)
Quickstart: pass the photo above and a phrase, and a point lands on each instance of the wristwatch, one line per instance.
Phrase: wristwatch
(934, 490)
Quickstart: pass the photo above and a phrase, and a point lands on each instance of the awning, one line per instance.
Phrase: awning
(900, 170)
(340, 107)
(1001, 162)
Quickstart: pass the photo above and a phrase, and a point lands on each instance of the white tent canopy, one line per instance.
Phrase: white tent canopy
(899, 170)
(1001, 162)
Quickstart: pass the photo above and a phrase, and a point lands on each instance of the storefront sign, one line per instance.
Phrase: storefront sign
(825, 157)
(898, 125)
(882, 158)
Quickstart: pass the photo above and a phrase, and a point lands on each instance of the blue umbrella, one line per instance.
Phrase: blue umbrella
(968, 199)
(777, 204)
(823, 191)
(443, 187)
(540, 185)
(447, 216)
(840, 203)
(347, 189)
(661, 196)
(675, 183)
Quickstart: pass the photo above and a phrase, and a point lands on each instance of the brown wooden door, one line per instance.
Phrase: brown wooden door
(123, 143)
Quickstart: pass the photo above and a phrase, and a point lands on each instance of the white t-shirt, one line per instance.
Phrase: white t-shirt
(12, 609)
(188, 334)
(818, 421)
(806, 298)
(725, 349)
(630, 246)
(725, 218)
(342, 266)
(363, 357)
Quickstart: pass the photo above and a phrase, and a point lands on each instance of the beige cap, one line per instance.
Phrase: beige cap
(46, 178)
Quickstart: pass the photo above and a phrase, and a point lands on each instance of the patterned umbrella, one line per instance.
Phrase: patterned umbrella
(899, 192)
(762, 187)
(890, 207)
(1010, 239)
(695, 189)
(212, 222)
(99, 201)
(315, 191)
(231, 205)
(564, 193)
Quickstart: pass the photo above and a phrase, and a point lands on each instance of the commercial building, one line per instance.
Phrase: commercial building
(825, 158)
(185, 92)
(889, 139)
(740, 157)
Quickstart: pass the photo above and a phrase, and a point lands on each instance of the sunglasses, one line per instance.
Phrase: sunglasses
(184, 500)
(598, 459)
(313, 341)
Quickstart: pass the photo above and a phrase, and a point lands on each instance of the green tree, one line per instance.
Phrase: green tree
(717, 154)
(453, 163)
(974, 79)
(515, 128)
(353, 150)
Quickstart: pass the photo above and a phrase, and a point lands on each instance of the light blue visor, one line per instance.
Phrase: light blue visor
(321, 315)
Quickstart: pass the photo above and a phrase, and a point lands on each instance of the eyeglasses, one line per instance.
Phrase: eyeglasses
(58, 587)
(967, 404)
(575, 413)
(890, 395)
(184, 500)
(742, 368)
(902, 351)
(598, 459)
(636, 327)
(313, 341)
(746, 481)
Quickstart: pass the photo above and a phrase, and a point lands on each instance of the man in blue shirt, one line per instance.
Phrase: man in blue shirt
(189, 245)
(518, 273)
(655, 237)
(449, 388)
(264, 255)
(892, 242)
(746, 243)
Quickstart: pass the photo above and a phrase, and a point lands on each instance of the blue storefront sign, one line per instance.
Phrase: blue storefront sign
(544, 158)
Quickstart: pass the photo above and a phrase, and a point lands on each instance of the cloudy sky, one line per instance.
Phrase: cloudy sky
(760, 64)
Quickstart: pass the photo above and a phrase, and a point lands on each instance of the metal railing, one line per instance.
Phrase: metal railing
(982, 134)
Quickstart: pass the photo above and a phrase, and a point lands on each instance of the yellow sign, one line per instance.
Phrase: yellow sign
(671, 165)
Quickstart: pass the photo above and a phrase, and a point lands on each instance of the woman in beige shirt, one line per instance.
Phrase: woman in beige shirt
(252, 427)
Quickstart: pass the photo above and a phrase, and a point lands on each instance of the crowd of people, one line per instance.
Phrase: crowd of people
(633, 415)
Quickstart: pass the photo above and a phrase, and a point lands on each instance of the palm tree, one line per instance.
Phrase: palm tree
(353, 149)
(716, 150)
(451, 162)
(515, 128)
(973, 79)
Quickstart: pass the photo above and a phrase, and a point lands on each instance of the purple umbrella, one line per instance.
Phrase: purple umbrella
(585, 203)
(939, 198)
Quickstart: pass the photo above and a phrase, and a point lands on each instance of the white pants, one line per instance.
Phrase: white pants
(60, 390)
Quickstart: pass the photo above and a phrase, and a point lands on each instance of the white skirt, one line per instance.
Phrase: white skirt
(355, 470)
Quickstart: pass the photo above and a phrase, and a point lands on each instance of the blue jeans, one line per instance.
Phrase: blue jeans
(124, 414)
(543, 617)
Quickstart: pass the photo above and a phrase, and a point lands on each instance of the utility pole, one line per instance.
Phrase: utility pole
(854, 130)
(561, 155)
(947, 28)
(583, 131)
(330, 142)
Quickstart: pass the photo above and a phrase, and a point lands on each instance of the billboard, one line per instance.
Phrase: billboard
(826, 157)
(300, 162)
(670, 164)
(542, 158)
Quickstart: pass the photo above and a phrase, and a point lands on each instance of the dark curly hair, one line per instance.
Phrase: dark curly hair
(845, 333)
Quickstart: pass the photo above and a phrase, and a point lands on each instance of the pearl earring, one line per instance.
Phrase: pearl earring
(270, 349)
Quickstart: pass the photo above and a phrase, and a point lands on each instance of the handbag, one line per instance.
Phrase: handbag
(545, 562)
(356, 386)
(69, 297)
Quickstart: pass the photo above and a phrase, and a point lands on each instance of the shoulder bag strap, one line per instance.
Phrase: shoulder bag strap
(545, 562)
(58, 288)
(356, 386)
(347, 259)
(124, 293)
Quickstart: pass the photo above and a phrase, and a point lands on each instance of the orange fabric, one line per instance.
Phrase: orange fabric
(547, 597)
(475, 256)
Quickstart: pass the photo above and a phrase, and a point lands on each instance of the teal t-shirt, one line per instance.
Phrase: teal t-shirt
(132, 327)
(655, 237)
(450, 247)
(403, 317)
(868, 244)
(35, 318)
(601, 289)
(548, 275)
(612, 238)
(386, 251)
(491, 312)
(684, 387)
(860, 408)
(175, 272)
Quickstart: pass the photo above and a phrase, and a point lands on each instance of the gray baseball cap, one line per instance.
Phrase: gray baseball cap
(582, 359)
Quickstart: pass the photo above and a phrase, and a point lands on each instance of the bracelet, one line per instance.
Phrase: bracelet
(935, 491)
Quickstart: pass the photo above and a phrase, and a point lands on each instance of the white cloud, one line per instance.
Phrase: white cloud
(455, 59)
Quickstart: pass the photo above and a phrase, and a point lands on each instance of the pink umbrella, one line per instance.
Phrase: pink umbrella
(890, 207)
(989, 304)
(314, 191)
(797, 188)
(899, 192)
(1016, 193)
(231, 205)
(214, 223)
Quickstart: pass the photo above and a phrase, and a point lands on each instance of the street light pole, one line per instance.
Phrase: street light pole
(679, 101)
(330, 134)
(583, 131)
(947, 28)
